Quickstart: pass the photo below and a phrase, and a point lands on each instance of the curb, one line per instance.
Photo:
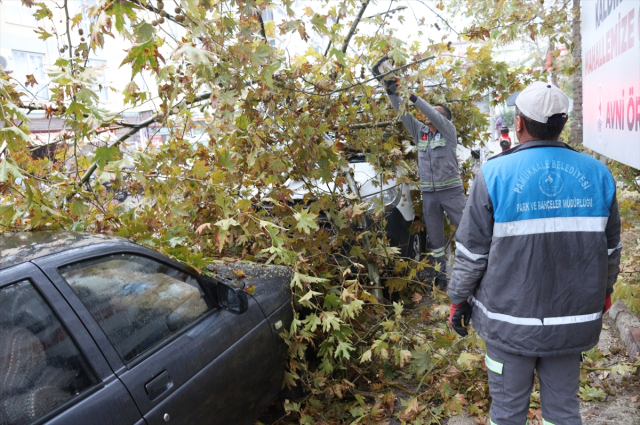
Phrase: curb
(628, 326)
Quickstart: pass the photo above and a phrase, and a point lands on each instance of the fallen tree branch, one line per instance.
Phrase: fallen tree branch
(141, 124)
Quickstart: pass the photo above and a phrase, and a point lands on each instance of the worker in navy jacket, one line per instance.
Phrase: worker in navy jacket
(537, 255)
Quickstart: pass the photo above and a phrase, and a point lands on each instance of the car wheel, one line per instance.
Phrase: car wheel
(416, 247)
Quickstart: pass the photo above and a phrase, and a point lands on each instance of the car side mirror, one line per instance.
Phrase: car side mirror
(232, 299)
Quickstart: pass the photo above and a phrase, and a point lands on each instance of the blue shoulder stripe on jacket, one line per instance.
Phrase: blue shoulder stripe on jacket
(547, 182)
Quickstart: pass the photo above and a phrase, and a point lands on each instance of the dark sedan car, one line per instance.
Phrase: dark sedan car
(98, 330)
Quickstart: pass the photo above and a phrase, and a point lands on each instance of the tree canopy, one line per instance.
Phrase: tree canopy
(269, 117)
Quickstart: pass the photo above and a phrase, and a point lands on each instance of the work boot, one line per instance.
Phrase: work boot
(441, 282)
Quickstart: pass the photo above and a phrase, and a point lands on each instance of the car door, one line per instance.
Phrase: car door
(51, 371)
(183, 360)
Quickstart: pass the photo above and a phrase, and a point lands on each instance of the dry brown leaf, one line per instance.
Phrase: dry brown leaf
(481, 420)
(416, 298)
(452, 373)
(535, 415)
(412, 410)
(461, 399)
(201, 229)
(238, 273)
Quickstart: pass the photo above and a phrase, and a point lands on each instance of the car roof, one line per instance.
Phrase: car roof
(16, 248)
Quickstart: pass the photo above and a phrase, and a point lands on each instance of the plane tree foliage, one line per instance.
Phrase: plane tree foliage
(267, 117)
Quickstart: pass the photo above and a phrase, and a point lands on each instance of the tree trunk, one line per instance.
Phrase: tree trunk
(576, 126)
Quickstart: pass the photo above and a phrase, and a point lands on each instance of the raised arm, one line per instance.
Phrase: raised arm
(444, 126)
(412, 125)
(384, 66)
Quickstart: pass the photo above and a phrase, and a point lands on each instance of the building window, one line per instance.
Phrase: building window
(31, 64)
(100, 79)
(16, 13)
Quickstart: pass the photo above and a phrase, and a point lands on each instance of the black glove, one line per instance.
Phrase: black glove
(462, 315)
(384, 65)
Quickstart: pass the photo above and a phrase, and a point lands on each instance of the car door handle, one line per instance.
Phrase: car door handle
(158, 385)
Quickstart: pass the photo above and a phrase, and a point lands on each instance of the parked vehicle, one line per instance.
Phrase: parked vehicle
(98, 330)
(399, 209)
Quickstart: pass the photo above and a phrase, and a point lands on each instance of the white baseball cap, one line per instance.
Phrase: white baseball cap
(540, 101)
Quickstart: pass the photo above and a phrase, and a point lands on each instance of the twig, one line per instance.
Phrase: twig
(262, 30)
(66, 12)
(352, 30)
(436, 13)
(636, 364)
(326, 52)
(361, 82)
(401, 388)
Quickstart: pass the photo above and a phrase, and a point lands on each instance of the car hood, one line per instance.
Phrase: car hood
(271, 282)
(363, 173)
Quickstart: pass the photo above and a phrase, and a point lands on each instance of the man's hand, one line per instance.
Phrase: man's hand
(384, 65)
(460, 315)
(607, 303)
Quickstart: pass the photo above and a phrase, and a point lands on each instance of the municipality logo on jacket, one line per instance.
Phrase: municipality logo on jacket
(550, 183)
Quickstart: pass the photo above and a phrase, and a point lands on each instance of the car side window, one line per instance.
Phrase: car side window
(138, 302)
(40, 365)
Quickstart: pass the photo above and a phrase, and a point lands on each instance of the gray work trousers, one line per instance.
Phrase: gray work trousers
(434, 205)
(511, 383)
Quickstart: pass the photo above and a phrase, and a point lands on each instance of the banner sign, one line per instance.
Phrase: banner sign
(611, 78)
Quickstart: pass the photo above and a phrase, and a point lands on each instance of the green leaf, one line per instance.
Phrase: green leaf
(466, 360)
(421, 361)
(42, 12)
(105, 154)
(119, 10)
(8, 167)
(352, 309)
(305, 301)
(18, 133)
(330, 321)
(343, 349)
(261, 54)
(339, 56)
(299, 278)
(226, 223)
(78, 207)
(200, 169)
(43, 33)
(312, 322)
(332, 301)
(144, 31)
(142, 56)
(306, 221)
(588, 393)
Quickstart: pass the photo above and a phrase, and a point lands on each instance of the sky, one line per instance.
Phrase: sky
(408, 30)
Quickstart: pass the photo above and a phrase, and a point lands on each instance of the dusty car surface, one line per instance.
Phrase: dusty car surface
(98, 330)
